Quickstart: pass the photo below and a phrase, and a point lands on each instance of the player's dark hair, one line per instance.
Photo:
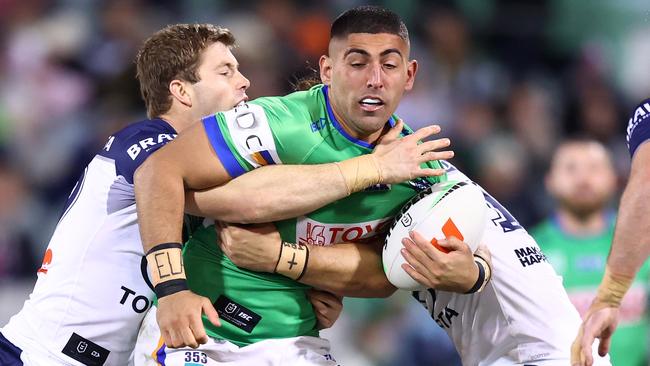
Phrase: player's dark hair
(369, 19)
(174, 52)
(578, 139)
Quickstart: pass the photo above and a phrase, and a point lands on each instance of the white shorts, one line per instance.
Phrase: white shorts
(300, 351)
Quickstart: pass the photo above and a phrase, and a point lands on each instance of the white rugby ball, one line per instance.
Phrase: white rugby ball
(452, 208)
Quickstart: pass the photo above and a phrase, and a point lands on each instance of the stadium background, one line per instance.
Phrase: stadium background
(507, 79)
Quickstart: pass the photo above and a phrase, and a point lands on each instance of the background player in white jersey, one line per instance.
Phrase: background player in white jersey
(630, 246)
(523, 317)
(92, 292)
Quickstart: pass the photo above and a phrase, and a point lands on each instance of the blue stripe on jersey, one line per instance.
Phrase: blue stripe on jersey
(337, 125)
(218, 142)
(265, 154)
(9, 353)
(638, 129)
(161, 355)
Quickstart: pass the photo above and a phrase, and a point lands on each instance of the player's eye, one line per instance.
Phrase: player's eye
(390, 66)
(357, 64)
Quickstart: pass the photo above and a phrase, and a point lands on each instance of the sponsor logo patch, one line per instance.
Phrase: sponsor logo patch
(529, 255)
(236, 314)
(85, 351)
(313, 232)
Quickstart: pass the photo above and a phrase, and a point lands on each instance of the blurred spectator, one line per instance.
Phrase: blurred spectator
(577, 237)
(17, 257)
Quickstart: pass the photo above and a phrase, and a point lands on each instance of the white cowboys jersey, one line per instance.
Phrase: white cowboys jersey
(523, 316)
(91, 294)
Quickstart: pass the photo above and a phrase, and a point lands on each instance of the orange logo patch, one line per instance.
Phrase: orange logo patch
(47, 259)
(449, 229)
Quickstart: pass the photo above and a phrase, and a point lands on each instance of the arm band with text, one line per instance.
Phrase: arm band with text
(292, 261)
(166, 268)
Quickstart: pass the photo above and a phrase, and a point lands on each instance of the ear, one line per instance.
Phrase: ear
(325, 64)
(411, 70)
(180, 91)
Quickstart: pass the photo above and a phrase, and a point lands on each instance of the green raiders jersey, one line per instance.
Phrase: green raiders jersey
(581, 261)
(299, 128)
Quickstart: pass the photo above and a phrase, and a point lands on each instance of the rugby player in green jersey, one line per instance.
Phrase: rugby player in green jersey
(576, 240)
(328, 123)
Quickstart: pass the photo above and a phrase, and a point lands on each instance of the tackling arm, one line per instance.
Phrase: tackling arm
(631, 244)
(278, 192)
(348, 269)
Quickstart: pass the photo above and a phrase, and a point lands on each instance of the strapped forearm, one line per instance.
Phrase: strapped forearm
(297, 190)
(631, 244)
(166, 269)
(612, 289)
(345, 269)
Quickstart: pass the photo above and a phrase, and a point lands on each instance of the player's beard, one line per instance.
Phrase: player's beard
(583, 209)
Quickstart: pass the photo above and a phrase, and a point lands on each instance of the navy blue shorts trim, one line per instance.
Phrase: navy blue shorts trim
(9, 354)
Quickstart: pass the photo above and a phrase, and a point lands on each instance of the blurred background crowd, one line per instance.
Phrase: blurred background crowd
(506, 79)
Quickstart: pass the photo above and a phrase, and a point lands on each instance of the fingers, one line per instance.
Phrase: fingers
(436, 155)
(428, 173)
(426, 246)
(415, 257)
(452, 243)
(198, 330)
(188, 338)
(603, 347)
(393, 133)
(211, 313)
(584, 348)
(434, 145)
(425, 132)
(415, 275)
(326, 297)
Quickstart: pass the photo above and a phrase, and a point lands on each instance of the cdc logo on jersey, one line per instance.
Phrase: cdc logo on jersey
(453, 208)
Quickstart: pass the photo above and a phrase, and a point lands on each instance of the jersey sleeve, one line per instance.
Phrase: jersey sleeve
(130, 147)
(638, 128)
(242, 138)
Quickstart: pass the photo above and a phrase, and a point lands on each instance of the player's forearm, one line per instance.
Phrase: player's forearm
(631, 244)
(347, 269)
(159, 196)
(297, 190)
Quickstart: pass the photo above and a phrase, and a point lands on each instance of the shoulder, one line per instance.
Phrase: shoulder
(132, 145)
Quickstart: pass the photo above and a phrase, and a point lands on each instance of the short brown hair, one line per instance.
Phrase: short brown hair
(173, 53)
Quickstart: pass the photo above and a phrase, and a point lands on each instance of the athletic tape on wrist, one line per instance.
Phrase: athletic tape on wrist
(292, 261)
(484, 275)
(360, 172)
(166, 268)
(613, 288)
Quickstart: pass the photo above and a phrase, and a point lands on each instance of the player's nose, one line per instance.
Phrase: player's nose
(375, 79)
(244, 83)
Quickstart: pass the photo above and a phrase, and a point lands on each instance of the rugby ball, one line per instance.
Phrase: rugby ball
(452, 208)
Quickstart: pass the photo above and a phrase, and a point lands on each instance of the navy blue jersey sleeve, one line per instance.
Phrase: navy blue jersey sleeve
(131, 146)
(638, 128)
